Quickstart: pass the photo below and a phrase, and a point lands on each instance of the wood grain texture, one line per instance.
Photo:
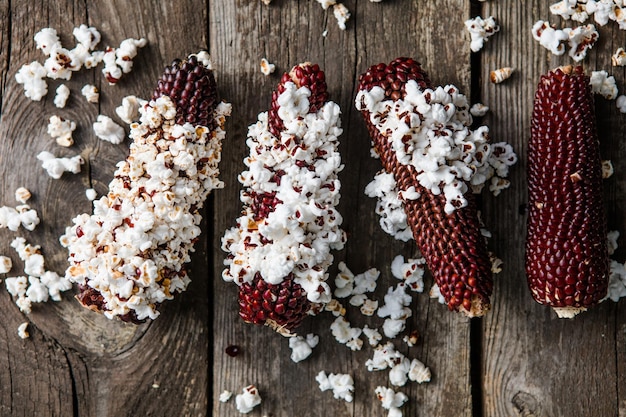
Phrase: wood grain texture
(517, 361)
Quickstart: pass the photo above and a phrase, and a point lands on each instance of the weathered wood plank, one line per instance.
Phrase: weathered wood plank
(534, 363)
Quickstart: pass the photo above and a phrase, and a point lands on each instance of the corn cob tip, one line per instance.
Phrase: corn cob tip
(568, 312)
(479, 307)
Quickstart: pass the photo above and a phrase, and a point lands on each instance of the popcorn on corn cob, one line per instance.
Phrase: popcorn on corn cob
(567, 260)
(279, 251)
(423, 138)
(130, 255)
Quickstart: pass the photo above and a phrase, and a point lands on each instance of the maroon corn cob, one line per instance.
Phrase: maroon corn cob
(452, 244)
(567, 261)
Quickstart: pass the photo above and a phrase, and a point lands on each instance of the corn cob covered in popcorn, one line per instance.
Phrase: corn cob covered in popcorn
(423, 139)
(279, 251)
(130, 255)
(567, 260)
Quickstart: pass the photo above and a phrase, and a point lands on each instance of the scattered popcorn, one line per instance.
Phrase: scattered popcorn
(617, 281)
(120, 61)
(91, 194)
(128, 111)
(369, 307)
(621, 103)
(89, 37)
(479, 110)
(501, 74)
(385, 356)
(393, 327)
(396, 303)
(342, 15)
(12, 218)
(5, 264)
(248, 399)
(389, 206)
(581, 39)
(619, 57)
(603, 84)
(411, 339)
(22, 331)
(61, 130)
(344, 281)
(480, 30)
(22, 195)
(266, 67)
(335, 307)
(612, 237)
(366, 282)
(326, 3)
(373, 336)
(106, 129)
(418, 372)
(346, 335)
(32, 76)
(91, 93)
(55, 167)
(549, 37)
(411, 272)
(46, 40)
(391, 400)
(60, 64)
(62, 94)
(302, 348)
(570, 9)
(225, 396)
(342, 385)
(436, 293)
(31, 255)
(607, 169)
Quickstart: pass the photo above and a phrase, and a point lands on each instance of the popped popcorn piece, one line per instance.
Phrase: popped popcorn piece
(61, 130)
(366, 281)
(91, 93)
(22, 331)
(393, 327)
(418, 372)
(13, 218)
(385, 356)
(480, 30)
(607, 169)
(603, 84)
(373, 336)
(31, 76)
(128, 111)
(500, 75)
(368, 307)
(302, 348)
(91, 194)
(60, 64)
(618, 59)
(391, 400)
(335, 307)
(55, 167)
(266, 2)
(248, 399)
(389, 206)
(106, 129)
(345, 334)
(581, 39)
(479, 110)
(549, 37)
(55, 284)
(436, 293)
(570, 9)
(120, 61)
(411, 272)
(411, 339)
(5, 264)
(342, 385)
(266, 67)
(612, 237)
(22, 195)
(344, 281)
(326, 3)
(496, 263)
(225, 396)
(617, 281)
(87, 36)
(621, 103)
(342, 14)
(62, 94)
(602, 10)
(17, 286)
(396, 303)
(46, 40)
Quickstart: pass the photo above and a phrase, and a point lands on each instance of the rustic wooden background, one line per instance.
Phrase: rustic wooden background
(517, 361)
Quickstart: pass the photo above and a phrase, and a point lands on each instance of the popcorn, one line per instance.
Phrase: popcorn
(618, 59)
(621, 103)
(393, 327)
(612, 237)
(5, 264)
(46, 40)
(411, 339)
(106, 129)
(55, 167)
(248, 399)
(344, 282)
(411, 272)
(120, 61)
(225, 396)
(342, 15)
(91, 194)
(390, 400)
(13, 218)
(326, 3)
(22, 195)
(418, 372)
(62, 94)
(61, 130)
(335, 307)
(603, 84)
(389, 206)
(89, 37)
(345, 334)
(369, 307)
(480, 30)
(500, 75)
(550, 38)
(436, 293)
(396, 303)
(22, 331)
(302, 348)
(581, 39)
(373, 336)
(266, 67)
(607, 169)
(32, 76)
(479, 110)
(128, 111)
(342, 385)
(91, 93)
(60, 64)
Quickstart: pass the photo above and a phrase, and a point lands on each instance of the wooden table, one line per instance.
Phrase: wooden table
(519, 360)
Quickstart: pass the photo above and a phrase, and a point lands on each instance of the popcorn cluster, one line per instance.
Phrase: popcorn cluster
(342, 385)
(131, 253)
(579, 39)
(401, 369)
(480, 30)
(430, 131)
(391, 400)
(603, 84)
(389, 206)
(601, 10)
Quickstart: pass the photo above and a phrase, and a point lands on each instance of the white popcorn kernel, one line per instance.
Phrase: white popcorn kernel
(342, 14)
(581, 39)
(266, 2)
(62, 94)
(46, 39)
(618, 59)
(335, 308)
(411, 272)
(411, 339)
(603, 84)
(22, 195)
(389, 206)
(61, 130)
(396, 303)
(16, 286)
(302, 348)
(127, 51)
(342, 385)
(87, 36)
(391, 400)
(617, 281)
(225, 396)
(128, 111)
(393, 327)
(91, 194)
(621, 103)
(60, 64)
(399, 372)
(326, 3)
(31, 76)
(266, 67)
(479, 110)
(5, 264)
(345, 334)
(373, 336)
(550, 38)
(480, 30)
(22, 331)
(500, 75)
(607, 169)
(418, 372)
(435, 292)
(369, 307)
(36, 292)
(55, 167)
(106, 129)
(344, 282)
(612, 237)
(248, 399)
(91, 93)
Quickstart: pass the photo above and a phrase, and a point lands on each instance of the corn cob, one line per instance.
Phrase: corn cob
(407, 120)
(280, 249)
(130, 255)
(566, 249)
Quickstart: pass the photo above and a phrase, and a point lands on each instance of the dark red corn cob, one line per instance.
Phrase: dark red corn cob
(567, 260)
(452, 244)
